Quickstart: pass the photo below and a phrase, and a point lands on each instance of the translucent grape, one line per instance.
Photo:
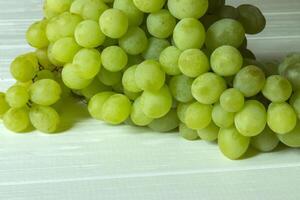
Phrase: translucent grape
(232, 100)
(290, 69)
(282, 118)
(51, 58)
(295, 102)
(188, 8)
(187, 133)
(16, 119)
(3, 105)
(95, 105)
(208, 87)
(77, 6)
(72, 79)
(221, 117)
(94, 88)
(114, 58)
(109, 78)
(135, 16)
(59, 6)
(93, 10)
(198, 116)
(36, 34)
(180, 87)
(134, 41)
(128, 80)
(181, 109)
(65, 49)
(209, 133)
(265, 141)
(155, 47)
(17, 96)
(147, 6)
(291, 139)
(43, 60)
(169, 60)
(137, 115)
(166, 123)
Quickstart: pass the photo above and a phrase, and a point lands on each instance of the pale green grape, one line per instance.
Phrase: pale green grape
(77, 6)
(225, 32)
(295, 102)
(48, 14)
(265, 141)
(94, 88)
(72, 79)
(134, 41)
(187, 133)
(166, 123)
(188, 8)
(51, 58)
(93, 10)
(43, 60)
(128, 80)
(193, 30)
(44, 118)
(232, 100)
(156, 104)
(137, 115)
(88, 63)
(16, 119)
(109, 78)
(59, 6)
(252, 119)
(88, 34)
(221, 117)
(161, 24)
(132, 95)
(180, 87)
(209, 133)
(208, 87)
(153, 82)
(169, 60)
(114, 23)
(277, 89)
(3, 105)
(232, 144)
(36, 34)
(64, 49)
(181, 108)
(135, 16)
(226, 61)
(198, 116)
(95, 105)
(227, 11)
(290, 69)
(24, 67)
(147, 6)
(17, 96)
(155, 47)
(193, 62)
(114, 58)
(116, 109)
(291, 139)
(282, 118)
(250, 80)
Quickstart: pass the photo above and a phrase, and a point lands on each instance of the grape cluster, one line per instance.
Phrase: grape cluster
(165, 64)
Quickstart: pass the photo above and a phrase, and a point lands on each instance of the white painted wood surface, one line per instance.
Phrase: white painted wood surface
(94, 161)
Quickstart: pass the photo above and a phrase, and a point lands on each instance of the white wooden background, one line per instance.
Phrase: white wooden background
(93, 161)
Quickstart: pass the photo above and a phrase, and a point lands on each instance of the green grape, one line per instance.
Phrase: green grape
(281, 117)
(291, 139)
(16, 119)
(128, 80)
(64, 49)
(210, 133)
(225, 32)
(45, 92)
(215, 5)
(45, 74)
(59, 6)
(93, 10)
(252, 119)
(208, 87)
(226, 61)
(250, 80)
(94, 88)
(135, 16)
(62, 26)
(147, 6)
(265, 141)
(116, 109)
(232, 100)
(72, 79)
(51, 58)
(193, 30)
(198, 116)
(146, 82)
(277, 89)
(3, 105)
(134, 41)
(48, 14)
(88, 34)
(180, 87)
(17, 96)
(187, 133)
(44, 118)
(24, 67)
(181, 108)
(161, 24)
(208, 20)
(43, 60)
(88, 63)
(156, 104)
(36, 34)
(77, 6)
(227, 11)
(114, 58)
(109, 78)
(114, 23)
(95, 105)
(295, 102)
(137, 115)
(251, 18)
(155, 47)
(221, 117)
(188, 8)
(169, 60)
(193, 62)
(232, 144)
(26, 85)
(290, 69)
(166, 123)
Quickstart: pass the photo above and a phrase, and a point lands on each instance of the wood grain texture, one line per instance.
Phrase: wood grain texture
(93, 161)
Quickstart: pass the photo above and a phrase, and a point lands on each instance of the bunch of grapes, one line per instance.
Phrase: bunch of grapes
(165, 64)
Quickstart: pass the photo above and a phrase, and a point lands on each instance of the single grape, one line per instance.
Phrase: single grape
(134, 41)
(209, 133)
(265, 141)
(169, 60)
(95, 105)
(180, 87)
(3, 105)
(188, 8)
(59, 6)
(166, 123)
(114, 58)
(137, 115)
(290, 69)
(187, 133)
(109, 78)
(92, 10)
(51, 58)
(64, 49)
(94, 88)
(291, 139)
(128, 80)
(77, 6)
(43, 60)
(17, 96)
(181, 109)
(72, 78)
(147, 6)
(16, 119)
(36, 34)
(221, 117)
(198, 116)
(135, 16)
(232, 100)
(295, 102)
(155, 47)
